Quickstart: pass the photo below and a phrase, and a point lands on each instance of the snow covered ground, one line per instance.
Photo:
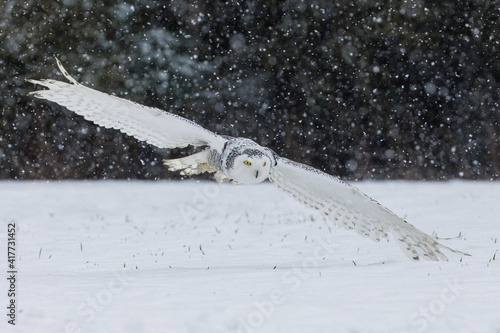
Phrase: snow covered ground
(110, 256)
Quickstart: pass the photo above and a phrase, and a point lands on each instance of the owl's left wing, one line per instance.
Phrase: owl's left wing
(352, 209)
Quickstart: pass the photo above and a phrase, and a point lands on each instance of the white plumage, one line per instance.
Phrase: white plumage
(243, 161)
(154, 126)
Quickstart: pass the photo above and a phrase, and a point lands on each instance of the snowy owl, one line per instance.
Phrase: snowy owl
(242, 161)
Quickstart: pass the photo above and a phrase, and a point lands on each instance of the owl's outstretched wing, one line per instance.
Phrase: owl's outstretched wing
(352, 209)
(152, 125)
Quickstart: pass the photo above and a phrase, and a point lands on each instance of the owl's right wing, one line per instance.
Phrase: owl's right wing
(350, 208)
(154, 126)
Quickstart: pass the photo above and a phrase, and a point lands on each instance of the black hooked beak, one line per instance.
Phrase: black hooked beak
(257, 174)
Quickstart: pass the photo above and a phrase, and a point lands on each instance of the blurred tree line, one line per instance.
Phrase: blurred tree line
(361, 89)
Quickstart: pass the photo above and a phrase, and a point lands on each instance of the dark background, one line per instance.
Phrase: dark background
(360, 89)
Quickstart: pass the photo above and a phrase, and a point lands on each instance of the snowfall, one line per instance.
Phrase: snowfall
(196, 256)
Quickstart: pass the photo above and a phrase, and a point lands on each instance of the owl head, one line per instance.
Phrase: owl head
(250, 166)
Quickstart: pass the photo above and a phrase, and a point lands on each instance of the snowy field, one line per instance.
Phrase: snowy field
(110, 256)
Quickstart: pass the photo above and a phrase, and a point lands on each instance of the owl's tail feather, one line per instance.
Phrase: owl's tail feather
(191, 165)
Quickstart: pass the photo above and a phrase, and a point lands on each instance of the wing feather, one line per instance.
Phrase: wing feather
(152, 125)
(352, 209)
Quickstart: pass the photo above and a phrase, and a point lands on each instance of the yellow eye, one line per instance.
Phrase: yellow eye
(264, 164)
(247, 163)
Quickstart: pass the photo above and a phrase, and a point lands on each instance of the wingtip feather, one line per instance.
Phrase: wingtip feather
(34, 81)
(65, 72)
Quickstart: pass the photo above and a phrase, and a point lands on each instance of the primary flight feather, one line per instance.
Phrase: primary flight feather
(243, 161)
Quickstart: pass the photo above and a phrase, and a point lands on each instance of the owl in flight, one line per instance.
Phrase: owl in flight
(242, 161)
